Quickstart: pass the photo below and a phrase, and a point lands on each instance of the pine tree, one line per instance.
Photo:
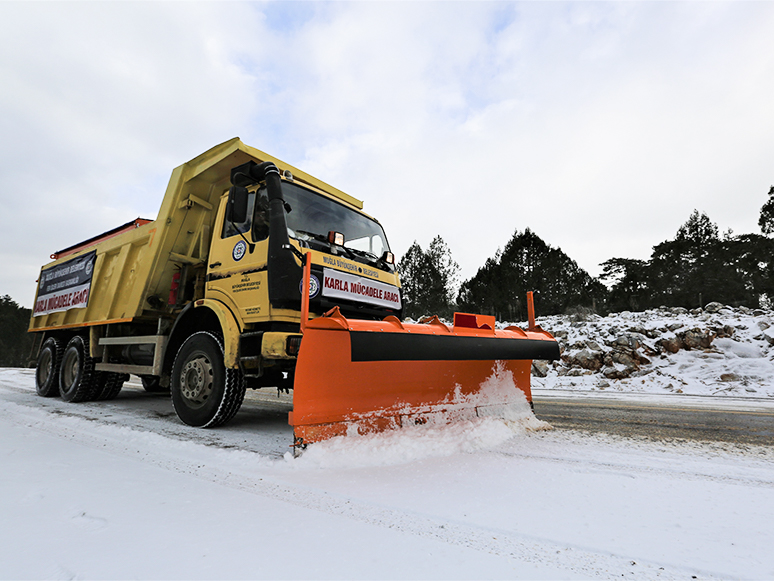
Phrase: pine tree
(428, 280)
(483, 293)
(630, 284)
(690, 270)
(697, 267)
(699, 230)
(447, 272)
(766, 219)
(15, 342)
(529, 264)
(409, 268)
(750, 258)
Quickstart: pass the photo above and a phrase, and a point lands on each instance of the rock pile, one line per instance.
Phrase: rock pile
(713, 346)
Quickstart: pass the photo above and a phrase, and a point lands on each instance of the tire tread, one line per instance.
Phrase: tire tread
(88, 378)
(51, 389)
(110, 386)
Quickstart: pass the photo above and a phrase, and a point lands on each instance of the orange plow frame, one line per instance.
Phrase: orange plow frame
(364, 376)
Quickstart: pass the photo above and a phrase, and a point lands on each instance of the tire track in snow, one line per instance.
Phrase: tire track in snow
(258, 430)
(621, 468)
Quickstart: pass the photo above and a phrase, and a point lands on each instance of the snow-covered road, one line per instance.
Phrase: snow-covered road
(123, 490)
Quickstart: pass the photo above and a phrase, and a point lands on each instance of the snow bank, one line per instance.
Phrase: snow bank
(717, 351)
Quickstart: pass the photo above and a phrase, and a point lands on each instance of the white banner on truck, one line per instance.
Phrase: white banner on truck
(65, 286)
(340, 285)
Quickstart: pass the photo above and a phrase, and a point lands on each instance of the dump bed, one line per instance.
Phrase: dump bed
(128, 277)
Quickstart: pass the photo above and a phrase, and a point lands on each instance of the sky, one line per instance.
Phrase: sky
(600, 126)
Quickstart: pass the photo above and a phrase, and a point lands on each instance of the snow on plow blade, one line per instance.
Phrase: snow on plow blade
(357, 376)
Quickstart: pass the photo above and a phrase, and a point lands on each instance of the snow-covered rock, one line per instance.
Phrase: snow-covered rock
(717, 350)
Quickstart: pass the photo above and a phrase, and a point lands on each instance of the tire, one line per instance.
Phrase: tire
(77, 378)
(151, 384)
(47, 368)
(110, 385)
(205, 394)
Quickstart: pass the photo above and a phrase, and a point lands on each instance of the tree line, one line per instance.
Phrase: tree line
(15, 342)
(698, 266)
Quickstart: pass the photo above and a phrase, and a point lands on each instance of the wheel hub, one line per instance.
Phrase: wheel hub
(70, 368)
(196, 380)
(45, 367)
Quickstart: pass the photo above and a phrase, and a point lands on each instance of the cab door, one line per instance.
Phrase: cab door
(237, 269)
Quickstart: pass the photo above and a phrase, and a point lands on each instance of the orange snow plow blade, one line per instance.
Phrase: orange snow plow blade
(358, 376)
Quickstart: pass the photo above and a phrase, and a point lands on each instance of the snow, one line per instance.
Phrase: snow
(121, 489)
(496, 397)
(411, 444)
(739, 365)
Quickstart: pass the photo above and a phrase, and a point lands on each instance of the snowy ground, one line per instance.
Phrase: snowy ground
(121, 489)
(737, 362)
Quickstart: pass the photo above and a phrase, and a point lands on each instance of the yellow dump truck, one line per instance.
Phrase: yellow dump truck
(214, 296)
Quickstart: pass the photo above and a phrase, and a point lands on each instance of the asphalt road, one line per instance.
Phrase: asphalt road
(697, 418)
(659, 417)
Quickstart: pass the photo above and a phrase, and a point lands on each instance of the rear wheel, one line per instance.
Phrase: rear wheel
(152, 384)
(110, 385)
(205, 393)
(77, 378)
(47, 368)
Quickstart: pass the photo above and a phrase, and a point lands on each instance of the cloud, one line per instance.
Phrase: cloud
(100, 102)
(601, 126)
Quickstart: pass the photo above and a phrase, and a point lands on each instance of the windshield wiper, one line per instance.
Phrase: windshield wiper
(352, 253)
(363, 253)
(313, 236)
(374, 259)
(324, 239)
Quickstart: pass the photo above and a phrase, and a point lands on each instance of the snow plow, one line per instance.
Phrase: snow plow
(257, 275)
(359, 376)
(356, 376)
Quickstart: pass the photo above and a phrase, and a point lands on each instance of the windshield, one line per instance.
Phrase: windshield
(312, 216)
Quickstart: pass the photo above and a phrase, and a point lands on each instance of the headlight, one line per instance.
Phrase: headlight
(336, 238)
(293, 345)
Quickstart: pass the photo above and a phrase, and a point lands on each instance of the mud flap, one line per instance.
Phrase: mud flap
(356, 376)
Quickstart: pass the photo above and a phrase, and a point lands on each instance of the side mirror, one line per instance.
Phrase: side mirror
(236, 209)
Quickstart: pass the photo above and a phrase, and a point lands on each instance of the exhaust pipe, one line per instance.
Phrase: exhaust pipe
(283, 271)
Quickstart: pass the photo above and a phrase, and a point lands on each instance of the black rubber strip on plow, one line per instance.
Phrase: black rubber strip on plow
(373, 346)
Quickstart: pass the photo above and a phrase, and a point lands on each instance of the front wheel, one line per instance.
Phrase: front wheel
(205, 393)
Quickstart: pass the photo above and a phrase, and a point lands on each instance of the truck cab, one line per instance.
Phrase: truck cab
(266, 224)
